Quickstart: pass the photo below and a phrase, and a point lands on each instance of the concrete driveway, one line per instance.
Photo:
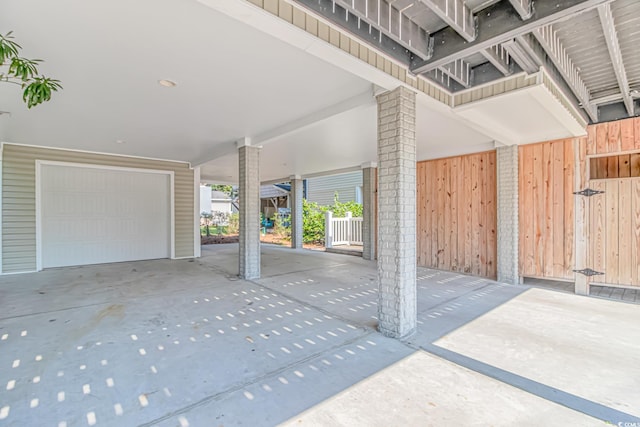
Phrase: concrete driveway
(185, 343)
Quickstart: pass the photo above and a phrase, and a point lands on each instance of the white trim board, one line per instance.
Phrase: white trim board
(75, 150)
(196, 220)
(38, 209)
(1, 196)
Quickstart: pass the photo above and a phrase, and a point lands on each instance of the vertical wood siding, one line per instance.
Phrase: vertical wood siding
(19, 204)
(546, 208)
(547, 204)
(614, 137)
(457, 214)
(614, 218)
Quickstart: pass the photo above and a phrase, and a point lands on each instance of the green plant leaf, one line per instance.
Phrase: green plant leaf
(24, 72)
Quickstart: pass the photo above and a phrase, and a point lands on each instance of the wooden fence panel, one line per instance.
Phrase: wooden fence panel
(457, 214)
(546, 209)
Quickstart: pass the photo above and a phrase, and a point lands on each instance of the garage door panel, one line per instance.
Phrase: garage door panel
(93, 215)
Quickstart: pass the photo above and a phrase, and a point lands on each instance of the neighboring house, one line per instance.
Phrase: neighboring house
(205, 199)
(274, 197)
(348, 186)
(220, 202)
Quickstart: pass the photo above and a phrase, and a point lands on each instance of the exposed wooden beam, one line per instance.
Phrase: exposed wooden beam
(456, 14)
(497, 24)
(552, 45)
(522, 53)
(523, 7)
(368, 33)
(611, 37)
(392, 22)
(499, 58)
(460, 71)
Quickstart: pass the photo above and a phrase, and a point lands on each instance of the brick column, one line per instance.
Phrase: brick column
(249, 194)
(397, 311)
(369, 172)
(296, 212)
(507, 181)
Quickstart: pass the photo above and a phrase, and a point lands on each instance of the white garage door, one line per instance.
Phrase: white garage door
(93, 215)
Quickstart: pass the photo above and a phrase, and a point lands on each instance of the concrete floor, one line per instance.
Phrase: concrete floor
(608, 292)
(185, 343)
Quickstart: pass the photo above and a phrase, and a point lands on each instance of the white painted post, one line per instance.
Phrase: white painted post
(349, 222)
(328, 229)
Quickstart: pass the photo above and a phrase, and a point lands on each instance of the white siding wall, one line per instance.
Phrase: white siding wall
(19, 201)
(322, 189)
(205, 199)
(221, 206)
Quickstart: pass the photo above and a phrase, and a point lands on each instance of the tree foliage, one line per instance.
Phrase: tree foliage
(234, 223)
(226, 189)
(279, 227)
(312, 222)
(313, 216)
(24, 73)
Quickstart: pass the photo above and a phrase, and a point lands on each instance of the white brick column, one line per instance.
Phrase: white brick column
(296, 212)
(397, 312)
(249, 194)
(507, 182)
(369, 172)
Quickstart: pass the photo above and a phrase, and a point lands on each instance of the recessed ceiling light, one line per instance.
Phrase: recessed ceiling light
(119, 141)
(167, 83)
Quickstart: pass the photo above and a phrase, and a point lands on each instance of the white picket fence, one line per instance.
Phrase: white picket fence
(342, 231)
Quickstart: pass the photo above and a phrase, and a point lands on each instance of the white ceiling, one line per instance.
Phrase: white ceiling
(233, 81)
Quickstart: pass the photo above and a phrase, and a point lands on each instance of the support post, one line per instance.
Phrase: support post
(295, 197)
(397, 311)
(508, 225)
(369, 172)
(249, 193)
(581, 218)
(328, 229)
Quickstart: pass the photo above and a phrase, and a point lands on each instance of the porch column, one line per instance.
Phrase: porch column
(296, 211)
(397, 313)
(369, 211)
(249, 194)
(508, 226)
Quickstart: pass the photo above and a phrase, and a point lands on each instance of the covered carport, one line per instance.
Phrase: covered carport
(187, 343)
(256, 92)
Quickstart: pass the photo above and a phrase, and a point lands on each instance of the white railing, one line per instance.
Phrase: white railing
(342, 231)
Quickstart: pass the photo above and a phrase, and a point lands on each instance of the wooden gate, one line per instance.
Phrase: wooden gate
(614, 232)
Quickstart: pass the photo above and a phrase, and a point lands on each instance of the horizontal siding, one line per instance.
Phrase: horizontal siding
(322, 189)
(493, 89)
(18, 199)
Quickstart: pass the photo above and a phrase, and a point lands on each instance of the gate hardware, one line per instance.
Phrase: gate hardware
(589, 272)
(588, 192)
